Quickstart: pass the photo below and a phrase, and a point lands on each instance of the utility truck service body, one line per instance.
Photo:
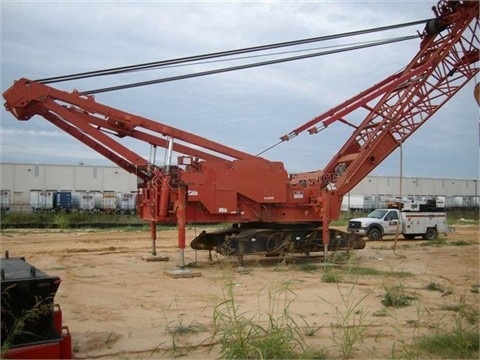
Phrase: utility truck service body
(427, 224)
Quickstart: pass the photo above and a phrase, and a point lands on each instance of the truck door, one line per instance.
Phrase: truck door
(391, 222)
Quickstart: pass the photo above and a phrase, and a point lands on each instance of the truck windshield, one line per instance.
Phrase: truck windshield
(377, 214)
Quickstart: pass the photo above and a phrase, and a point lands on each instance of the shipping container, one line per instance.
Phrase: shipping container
(126, 203)
(457, 202)
(360, 202)
(42, 200)
(469, 202)
(63, 201)
(108, 201)
(83, 201)
(5, 201)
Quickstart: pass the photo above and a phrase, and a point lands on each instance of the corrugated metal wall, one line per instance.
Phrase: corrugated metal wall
(416, 186)
(19, 179)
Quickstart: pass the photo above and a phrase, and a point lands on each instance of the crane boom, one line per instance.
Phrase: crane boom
(89, 121)
(271, 211)
(405, 100)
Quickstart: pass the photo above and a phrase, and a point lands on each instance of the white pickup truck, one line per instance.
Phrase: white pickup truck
(409, 223)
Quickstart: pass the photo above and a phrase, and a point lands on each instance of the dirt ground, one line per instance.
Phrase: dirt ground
(117, 305)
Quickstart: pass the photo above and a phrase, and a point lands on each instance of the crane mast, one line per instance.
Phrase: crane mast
(271, 210)
(407, 99)
(400, 104)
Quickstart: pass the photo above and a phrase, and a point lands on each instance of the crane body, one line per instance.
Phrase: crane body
(271, 210)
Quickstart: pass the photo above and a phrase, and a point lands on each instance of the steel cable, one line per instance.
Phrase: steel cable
(157, 64)
(243, 67)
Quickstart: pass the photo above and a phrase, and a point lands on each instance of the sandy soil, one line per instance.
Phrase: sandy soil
(117, 305)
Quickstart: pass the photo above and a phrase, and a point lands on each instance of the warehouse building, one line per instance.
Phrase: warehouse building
(19, 180)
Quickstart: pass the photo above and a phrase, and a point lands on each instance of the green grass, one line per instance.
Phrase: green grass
(396, 295)
(76, 219)
(352, 320)
(337, 274)
(459, 342)
(441, 241)
(367, 271)
(66, 221)
(330, 275)
(40, 309)
(435, 286)
(271, 335)
(307, 267)
(454, 336)
(461, 243)
(457, 217)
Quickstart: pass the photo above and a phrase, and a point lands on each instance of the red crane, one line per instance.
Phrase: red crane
(271, 210)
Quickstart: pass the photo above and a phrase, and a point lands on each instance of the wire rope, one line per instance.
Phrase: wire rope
(255, 56)
(156, 64)
(245, 66)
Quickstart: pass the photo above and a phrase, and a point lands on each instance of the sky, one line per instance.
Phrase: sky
(248, 110)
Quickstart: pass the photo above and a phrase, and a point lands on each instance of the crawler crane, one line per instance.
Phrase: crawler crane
(271, 210)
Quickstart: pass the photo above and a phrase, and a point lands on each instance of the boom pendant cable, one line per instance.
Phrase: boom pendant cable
(157, 64)
(242, 67)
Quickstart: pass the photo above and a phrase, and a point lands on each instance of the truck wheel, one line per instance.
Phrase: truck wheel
(374, 234)
(430, 234)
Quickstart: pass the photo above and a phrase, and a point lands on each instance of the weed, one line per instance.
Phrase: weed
(452, 307)
(241, 337)
(62, 221)
(67, 220)
(439, 241)
(396, 296)
(330, 275)
(311, 329)
(178, 329)
(459, 342)
(475, 288)
(435, 286)
(367, 271)
(41, 309)
(380, 247)
(380, 313)
(461, 243)
(352, 322)
(459, 216)
(340, 257)
(403, 348)
(308, 267)
(466, 312)
(181, 328)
